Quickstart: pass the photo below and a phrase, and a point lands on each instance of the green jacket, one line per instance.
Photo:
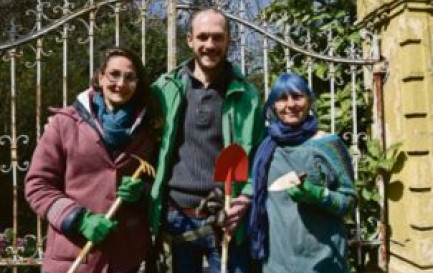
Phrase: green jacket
(242, 102)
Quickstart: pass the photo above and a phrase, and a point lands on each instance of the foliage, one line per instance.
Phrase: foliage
(374, 169)
(375, 166)
(10, 11)
(26, 246)
(318, 20)
(377, 162)
(343, 109)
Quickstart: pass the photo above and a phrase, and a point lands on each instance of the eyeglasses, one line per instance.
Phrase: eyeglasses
(116, 76)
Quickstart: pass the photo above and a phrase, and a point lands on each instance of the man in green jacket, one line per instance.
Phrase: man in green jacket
(207, 104)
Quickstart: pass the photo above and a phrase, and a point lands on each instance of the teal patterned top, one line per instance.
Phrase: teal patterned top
(307, 238)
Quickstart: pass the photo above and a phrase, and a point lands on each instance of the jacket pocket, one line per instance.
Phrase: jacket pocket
(65, 249)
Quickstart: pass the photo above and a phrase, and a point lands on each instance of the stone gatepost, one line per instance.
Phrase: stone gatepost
(405, 28)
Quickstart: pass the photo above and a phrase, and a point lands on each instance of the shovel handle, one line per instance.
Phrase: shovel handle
(227, 201)
(226, 238)
(110, 213)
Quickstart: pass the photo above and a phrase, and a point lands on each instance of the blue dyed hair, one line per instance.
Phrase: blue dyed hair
(286, 84)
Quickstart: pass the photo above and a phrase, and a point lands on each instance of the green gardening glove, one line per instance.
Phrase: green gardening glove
(307, 192)
(95, 227)
(130, 190)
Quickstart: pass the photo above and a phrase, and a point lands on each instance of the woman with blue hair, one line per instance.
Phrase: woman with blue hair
(303, 186)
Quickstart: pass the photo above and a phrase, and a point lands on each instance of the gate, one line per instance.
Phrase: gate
(53, 58)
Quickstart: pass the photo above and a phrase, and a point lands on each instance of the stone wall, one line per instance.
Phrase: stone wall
(405, 29)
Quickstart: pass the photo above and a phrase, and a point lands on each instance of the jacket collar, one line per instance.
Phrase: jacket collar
(84, 110)
(179, 77)
(238, 84)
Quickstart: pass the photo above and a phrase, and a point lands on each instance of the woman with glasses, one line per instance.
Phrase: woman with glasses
(303, 186)
(85, 160)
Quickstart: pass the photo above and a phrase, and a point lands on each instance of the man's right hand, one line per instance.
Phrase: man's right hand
(95, 227)
(238, 209)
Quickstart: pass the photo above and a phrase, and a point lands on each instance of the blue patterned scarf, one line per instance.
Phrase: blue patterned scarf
(278, 133)
(116, 125)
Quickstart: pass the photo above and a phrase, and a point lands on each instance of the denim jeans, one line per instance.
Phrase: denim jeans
(188, 256)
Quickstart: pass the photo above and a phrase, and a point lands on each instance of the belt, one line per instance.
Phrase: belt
(193, 212)
(188, 236)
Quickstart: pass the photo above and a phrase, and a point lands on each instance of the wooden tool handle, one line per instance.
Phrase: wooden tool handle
(226, 238)
(86, 249)
(110, 213)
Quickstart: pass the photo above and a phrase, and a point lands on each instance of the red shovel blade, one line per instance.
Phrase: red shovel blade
(231, 165)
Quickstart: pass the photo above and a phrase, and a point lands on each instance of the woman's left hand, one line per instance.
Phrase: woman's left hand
(130, 190)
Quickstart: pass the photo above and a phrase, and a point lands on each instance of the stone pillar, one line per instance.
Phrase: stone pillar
(406, 32)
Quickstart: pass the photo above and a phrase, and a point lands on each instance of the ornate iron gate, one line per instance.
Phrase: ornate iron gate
(30, 84)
